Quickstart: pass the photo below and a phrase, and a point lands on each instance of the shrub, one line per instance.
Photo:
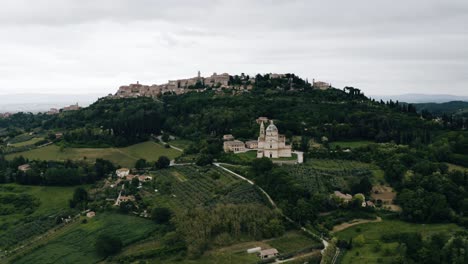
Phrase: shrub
(107, 245)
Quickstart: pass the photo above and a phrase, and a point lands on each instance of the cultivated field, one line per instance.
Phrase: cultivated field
(325, 176)
(75, 244)
(189, 186)
(32, 216)
(373, 232)
(126, 157)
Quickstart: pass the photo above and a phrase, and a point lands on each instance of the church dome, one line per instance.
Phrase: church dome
(272, 128)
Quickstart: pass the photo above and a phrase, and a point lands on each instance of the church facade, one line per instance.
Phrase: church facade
(271, 144)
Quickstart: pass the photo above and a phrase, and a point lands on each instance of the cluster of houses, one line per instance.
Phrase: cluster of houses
(181, 86)
(55, 111)
(218, 82)
(346, 198)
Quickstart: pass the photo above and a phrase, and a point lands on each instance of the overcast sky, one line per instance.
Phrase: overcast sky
(94, 46)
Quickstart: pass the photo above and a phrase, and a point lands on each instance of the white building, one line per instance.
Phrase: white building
(122, 173)
(271, 144)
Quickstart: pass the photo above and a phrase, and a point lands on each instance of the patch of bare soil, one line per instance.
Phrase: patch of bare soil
(354, 222)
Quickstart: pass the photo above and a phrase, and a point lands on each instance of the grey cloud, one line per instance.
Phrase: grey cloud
(87, 45)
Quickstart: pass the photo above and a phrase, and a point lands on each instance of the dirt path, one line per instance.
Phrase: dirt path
(354, 222)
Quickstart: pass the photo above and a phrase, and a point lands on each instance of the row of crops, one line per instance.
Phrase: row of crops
(327, 180)
(196, 186)
(26, 230)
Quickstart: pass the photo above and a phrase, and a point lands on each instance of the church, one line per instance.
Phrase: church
(271, 144)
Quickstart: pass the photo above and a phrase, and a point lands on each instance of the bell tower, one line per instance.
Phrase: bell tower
(262, 130)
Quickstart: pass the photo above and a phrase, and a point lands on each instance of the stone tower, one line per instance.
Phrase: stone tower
(262, 130)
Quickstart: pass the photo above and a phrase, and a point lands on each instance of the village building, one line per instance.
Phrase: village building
(53, 111)
(122, 172)
(228, 137)
(262, 119)
(321, 85)
(251, 144)
(24, 167)
(345, 197)
(235, 146)
(71, 108)
(268, 253)
(271, 144)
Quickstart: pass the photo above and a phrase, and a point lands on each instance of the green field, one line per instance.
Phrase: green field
(52, 199)
(292, 242)
(189, 186)
(347, 165)
(126, 157)
(75, 244)
(180, 143)
(373, 232)
(26, 143)
(350, 144)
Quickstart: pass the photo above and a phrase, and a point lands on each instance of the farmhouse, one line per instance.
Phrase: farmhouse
(345, 197)
(271, 144)
(251, 144)
(235, 146)
(268, 253)
(122, 172)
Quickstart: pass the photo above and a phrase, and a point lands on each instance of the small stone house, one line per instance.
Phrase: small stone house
(122, 172)
(251, 144)
(268, 253)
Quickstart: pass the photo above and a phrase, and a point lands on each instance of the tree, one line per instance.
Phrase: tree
(141, 164)
(262, 166)
(163, 162)
(204, 159)
(80, 199)
(161, 215)
(364, 186)
(107, 245)
(359, 241)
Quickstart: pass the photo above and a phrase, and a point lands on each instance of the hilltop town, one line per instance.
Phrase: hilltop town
(217, 82)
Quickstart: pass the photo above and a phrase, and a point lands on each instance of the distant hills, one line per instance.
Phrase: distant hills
(421, 98)
(449, 108)
(43, 102)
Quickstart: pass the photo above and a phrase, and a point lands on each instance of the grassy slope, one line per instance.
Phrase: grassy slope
(52, 200)
(122, 156)
(76, 245)
(26, 143)
(372, 233)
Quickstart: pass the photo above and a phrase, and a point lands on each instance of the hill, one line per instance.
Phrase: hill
(458, 108)
(421, 98)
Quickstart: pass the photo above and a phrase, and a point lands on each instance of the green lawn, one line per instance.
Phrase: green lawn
(350, 144)
(291, 242)
(126, 157)
(26, 143)
(76, 244)
(180, 143)
(373, 232)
